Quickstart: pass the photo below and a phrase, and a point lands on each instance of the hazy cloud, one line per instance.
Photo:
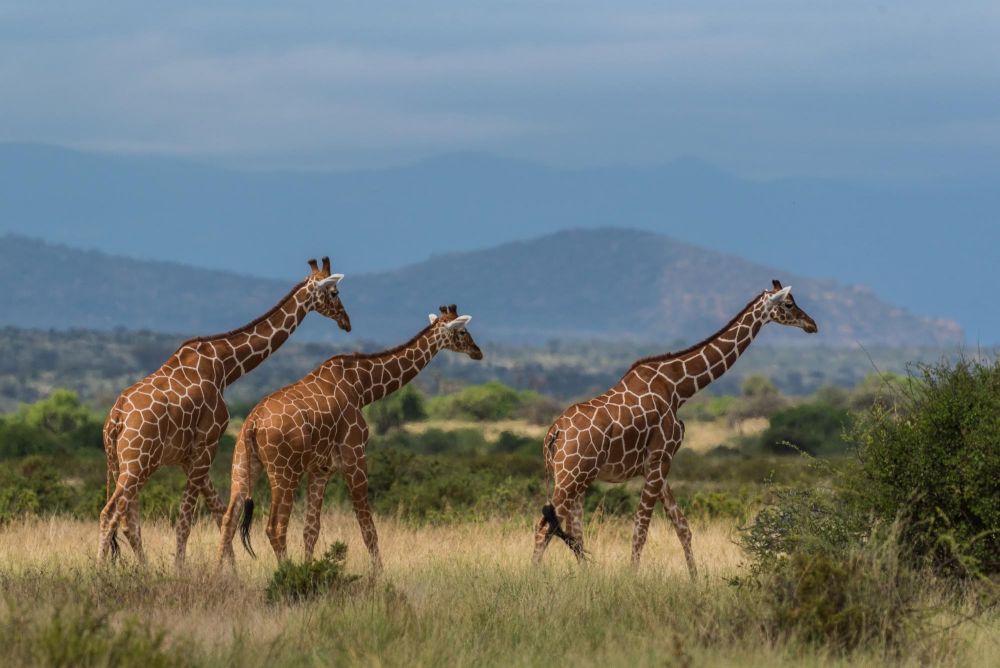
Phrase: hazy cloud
(766, 88)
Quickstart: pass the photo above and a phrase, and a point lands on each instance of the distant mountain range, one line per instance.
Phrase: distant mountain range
(927, 247)
(581, 284)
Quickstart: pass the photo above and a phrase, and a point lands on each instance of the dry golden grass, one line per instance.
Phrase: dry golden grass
(490, 430)
(702, 436)
(462, 594)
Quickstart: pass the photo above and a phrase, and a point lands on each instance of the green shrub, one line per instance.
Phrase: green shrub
(297, 582)
(880, 389)
(612, 500)
(405, 405)
(491, 401)
(934, 460)
(713, 505)
(56, 424)
(815, 428)
(758, 398)
(436, 441)
(844, 602)
(439, 488)
(812, 521)
(509, 443)
(32, 486)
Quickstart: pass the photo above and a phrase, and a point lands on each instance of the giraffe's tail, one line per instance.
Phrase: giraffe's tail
(245, 523)
(111, 428)
(555, 529)
(549, 451)
(249, 442)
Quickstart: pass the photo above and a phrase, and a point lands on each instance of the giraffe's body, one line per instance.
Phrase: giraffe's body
(316, 427)
(176, 415)
(632, 429)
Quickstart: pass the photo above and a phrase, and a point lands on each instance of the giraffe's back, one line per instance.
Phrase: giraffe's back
(297, 427)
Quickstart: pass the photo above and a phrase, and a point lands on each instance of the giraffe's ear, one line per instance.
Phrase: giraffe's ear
(433, 318)
(460, 322)
(780, 296)
(330, 281)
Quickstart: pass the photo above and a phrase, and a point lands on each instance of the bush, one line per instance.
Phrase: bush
(395, 410)
(811, 521)
(53, 425)
(510, 443)
(758, 398)
(934, 461)
(436, 488)
(295, 583)
(612, 500)
(713, 505)
(492, 401)
(815, 428)
(863, 599)
(32, 486)
(437, 441)
(880, 389)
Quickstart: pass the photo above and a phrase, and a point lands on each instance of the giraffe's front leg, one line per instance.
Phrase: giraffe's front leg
(185, 516)
(198, 480)
(647, 502)
(206, 486)
(656, 477)
(356, 476)
(680, 526)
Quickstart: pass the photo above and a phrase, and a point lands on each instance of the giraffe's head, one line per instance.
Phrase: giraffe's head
(456, 336)
(324, 294)
(782, 309)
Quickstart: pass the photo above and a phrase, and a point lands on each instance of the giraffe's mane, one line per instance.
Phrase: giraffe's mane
(390, 351)
(665, 357)
(250, 325)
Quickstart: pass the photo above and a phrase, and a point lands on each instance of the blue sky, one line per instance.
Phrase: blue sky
(862, 90)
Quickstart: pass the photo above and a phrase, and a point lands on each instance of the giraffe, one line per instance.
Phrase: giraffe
(632, 429)
(176, 414)
(316, 426)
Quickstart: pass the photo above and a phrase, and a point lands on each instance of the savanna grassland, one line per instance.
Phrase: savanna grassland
(460, 594)
(847, 527)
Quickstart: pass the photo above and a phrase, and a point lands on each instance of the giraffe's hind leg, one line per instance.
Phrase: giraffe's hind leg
(117, 510)
(314, 505)
(215, 505)
(282, 499)
(680, 526)
(246, 469)
(557, 515)
(133, 532)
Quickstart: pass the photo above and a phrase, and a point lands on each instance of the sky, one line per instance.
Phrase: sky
(868, 91)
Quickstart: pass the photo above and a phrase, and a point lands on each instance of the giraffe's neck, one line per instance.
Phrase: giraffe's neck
(709, 360)
(241, 350)
(384, 373)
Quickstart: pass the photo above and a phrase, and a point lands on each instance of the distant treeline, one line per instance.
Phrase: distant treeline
(97, 365)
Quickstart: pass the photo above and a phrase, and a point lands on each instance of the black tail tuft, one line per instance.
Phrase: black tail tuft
(115, 550)
(245, 527)
(549, 514)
